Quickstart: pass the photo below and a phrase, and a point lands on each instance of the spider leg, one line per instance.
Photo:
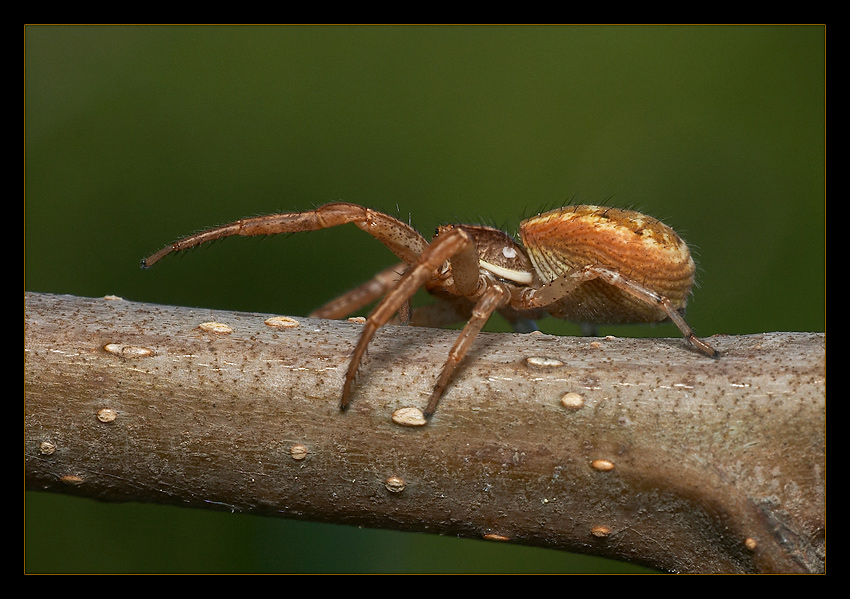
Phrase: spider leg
(494, 297)
(445, 312)
(560, 287)
(362, 295)
(442, 313)
(402, 239)
(651, 297)
(455, 242)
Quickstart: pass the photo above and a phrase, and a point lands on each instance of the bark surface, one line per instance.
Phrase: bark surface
(637, 449)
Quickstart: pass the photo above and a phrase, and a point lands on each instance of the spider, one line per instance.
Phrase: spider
(587, 264)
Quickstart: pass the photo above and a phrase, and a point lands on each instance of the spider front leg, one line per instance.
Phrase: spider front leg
(453, 246)
(550, 293)
(404, 241)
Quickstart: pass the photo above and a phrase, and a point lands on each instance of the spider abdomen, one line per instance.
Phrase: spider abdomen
(631, 244)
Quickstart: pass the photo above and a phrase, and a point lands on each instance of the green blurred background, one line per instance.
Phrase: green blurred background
(138, 135)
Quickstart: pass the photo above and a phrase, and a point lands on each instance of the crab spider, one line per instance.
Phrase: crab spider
(588, 264)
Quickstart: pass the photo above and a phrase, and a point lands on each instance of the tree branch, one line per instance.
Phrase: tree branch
(637, 449)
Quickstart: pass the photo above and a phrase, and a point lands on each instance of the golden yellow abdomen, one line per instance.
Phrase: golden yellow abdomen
(638, 247)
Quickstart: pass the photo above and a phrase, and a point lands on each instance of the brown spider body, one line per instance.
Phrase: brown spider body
(638, 247)
(582, 263)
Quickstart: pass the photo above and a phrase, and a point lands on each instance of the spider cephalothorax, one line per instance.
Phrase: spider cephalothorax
(588, 264)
